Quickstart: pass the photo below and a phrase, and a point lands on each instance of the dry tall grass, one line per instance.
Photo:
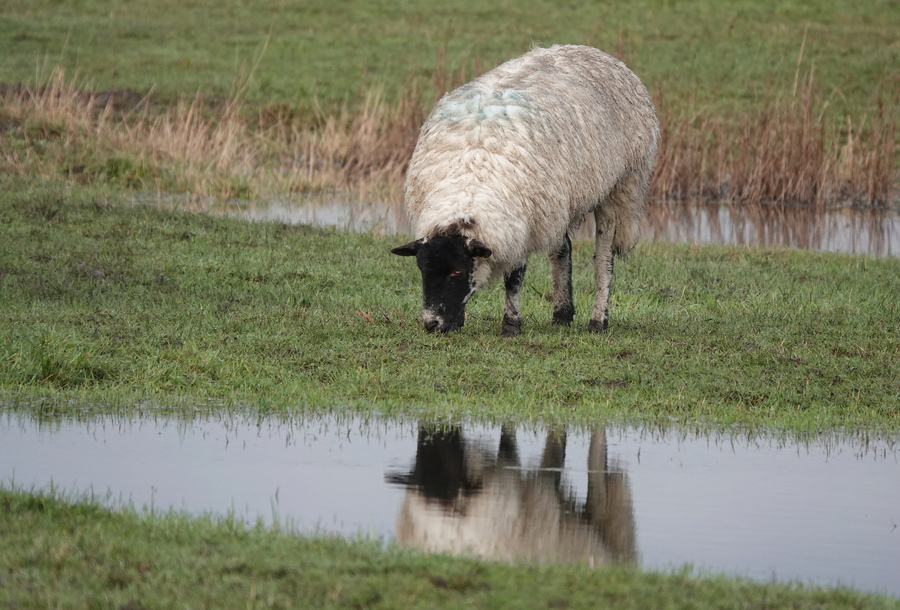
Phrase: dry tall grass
(205, 149)
(788, 151)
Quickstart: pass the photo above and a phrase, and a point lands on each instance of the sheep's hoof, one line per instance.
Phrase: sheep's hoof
(598, 326)
(563, 317)
(511, 327)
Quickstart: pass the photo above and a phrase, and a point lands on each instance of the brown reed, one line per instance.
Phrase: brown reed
(790, 150)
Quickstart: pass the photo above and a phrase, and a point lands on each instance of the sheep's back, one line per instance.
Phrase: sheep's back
(529, 147)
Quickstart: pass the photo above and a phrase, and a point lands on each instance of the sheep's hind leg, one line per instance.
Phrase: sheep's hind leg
(561, 267)
(603, 272)
(512, 322)
(618, 226)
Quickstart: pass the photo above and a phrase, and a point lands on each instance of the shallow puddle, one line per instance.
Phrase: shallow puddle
(847, 230)
(825, 511)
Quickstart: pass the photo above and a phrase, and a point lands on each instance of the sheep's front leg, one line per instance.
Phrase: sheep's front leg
(512, 322)
(603, 272)
(561, 268)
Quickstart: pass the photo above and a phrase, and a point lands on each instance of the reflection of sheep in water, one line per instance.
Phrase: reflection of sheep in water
(458, 501)
(510, 163)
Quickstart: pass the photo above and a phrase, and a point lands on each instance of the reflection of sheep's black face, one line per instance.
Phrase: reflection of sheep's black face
(446, 263)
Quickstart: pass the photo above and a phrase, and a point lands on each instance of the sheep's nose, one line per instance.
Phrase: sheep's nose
(432, 325)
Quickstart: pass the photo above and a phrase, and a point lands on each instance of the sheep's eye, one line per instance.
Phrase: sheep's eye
(455, 274)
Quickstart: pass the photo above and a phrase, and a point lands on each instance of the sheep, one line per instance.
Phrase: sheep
(510, 163)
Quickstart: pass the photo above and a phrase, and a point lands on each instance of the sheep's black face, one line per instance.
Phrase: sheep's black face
(447, 263)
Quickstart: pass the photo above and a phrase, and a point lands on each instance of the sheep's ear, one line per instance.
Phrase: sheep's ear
(409, 249)
(478, 249)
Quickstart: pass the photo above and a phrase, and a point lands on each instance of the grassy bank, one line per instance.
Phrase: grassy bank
(58, 554)
(117, 305)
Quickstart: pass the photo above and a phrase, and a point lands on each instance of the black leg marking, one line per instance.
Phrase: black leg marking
(512, 322)
(598, 326)
(511, 327)
(561, 268)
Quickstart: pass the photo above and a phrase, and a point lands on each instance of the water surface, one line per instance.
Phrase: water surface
(824, 511)
(849, 230)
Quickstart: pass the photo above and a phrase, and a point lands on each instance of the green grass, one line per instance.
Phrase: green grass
(79, 555)
(731, 52)
(114, 305)
(110, 308)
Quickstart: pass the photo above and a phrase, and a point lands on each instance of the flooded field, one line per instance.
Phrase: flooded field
(825, 510)
(848, 230)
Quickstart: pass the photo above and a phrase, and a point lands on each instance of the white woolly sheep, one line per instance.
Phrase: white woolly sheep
(510, 163)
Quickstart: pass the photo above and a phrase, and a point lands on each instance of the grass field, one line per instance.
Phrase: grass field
(730, 53)
(111, 308)
(112, 303)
